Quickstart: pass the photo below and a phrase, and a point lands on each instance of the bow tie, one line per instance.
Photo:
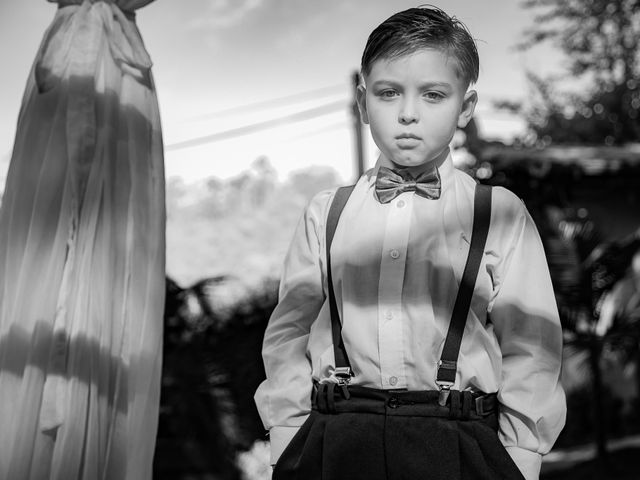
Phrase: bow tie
(391, 183)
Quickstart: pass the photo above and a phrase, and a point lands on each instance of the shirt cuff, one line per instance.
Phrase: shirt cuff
(527, 461)
(280, 437)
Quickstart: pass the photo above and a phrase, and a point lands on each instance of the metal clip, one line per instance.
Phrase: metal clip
(445, 390)
(443, 385)
(344, 374)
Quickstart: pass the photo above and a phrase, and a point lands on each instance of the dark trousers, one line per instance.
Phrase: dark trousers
(382, 435)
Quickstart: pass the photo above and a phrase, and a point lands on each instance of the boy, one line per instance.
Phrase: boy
(369, 373)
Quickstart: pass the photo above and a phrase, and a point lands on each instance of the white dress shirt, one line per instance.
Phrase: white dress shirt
(396, 270)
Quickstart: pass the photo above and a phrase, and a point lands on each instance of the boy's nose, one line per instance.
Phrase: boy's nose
(407, 114)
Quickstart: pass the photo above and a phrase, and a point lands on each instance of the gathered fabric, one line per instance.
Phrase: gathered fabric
(82, 255)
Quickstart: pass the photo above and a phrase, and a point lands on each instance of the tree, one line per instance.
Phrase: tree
(212, 366)
(599, 40)
(616, 271)
(588, 274)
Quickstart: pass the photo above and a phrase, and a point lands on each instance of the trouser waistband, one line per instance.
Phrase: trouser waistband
(332, 398)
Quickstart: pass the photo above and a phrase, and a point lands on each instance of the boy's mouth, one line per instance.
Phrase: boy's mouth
(407, 136)
(407, 141)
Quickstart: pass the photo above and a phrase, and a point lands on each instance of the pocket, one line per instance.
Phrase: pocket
(286, 466)
(495, 453)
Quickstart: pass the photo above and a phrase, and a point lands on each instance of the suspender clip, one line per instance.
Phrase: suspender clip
(343, 374)
(444, 385)
(445, 390)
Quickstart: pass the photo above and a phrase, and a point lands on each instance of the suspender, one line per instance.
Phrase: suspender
(343, 366)
(447, 366)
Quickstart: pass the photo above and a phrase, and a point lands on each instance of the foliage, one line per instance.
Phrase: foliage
(599, 41)
(598, 36)
(212, 367)
(255, 463)
(240, 226)
(584, 269)
(580, 427)
(586, 261)
(226, 239)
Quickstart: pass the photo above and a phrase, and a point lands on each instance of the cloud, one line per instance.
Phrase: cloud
(226, 13)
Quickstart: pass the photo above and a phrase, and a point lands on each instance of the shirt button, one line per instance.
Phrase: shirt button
(400, 203)
(394, 253)
(393, 380)
(388, 315)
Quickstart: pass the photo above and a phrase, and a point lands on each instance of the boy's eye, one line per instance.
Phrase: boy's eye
(388, 93)
(434, 96)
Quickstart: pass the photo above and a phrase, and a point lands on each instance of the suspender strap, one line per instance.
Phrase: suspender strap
(343, 366)
(448, 363)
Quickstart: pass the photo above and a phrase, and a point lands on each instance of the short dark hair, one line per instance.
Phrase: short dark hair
(418, 28)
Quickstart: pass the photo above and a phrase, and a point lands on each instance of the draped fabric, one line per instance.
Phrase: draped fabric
(82, 248)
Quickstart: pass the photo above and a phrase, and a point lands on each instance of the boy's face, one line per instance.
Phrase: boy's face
(413, 104)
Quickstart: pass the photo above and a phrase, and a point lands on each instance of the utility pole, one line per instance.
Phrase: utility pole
(357, 127)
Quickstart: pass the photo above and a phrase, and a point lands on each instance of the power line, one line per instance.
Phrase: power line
(256, 127)
(275, 102)
(340, 125)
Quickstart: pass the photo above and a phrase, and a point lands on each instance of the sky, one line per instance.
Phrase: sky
(242, 79)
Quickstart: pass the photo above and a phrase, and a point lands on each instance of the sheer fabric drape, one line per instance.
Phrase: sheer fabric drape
(82, 250)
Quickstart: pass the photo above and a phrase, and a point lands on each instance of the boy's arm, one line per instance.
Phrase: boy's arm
(527, 325)
(283, 399)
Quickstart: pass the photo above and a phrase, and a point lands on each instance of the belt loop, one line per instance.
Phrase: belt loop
(331, 401)
(480, 406)
(466, 404)
(345, 391)
(321, 398)
(454, 405)
(486, 404)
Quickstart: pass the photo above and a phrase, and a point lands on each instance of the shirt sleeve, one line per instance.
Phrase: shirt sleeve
(284, 398)
(527, 325)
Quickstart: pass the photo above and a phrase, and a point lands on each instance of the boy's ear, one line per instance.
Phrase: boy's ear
(361, 98)
(468, 106)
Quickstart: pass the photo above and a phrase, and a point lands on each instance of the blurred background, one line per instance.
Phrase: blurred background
(256, 98)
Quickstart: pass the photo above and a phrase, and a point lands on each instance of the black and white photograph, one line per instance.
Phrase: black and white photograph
(319, 240)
